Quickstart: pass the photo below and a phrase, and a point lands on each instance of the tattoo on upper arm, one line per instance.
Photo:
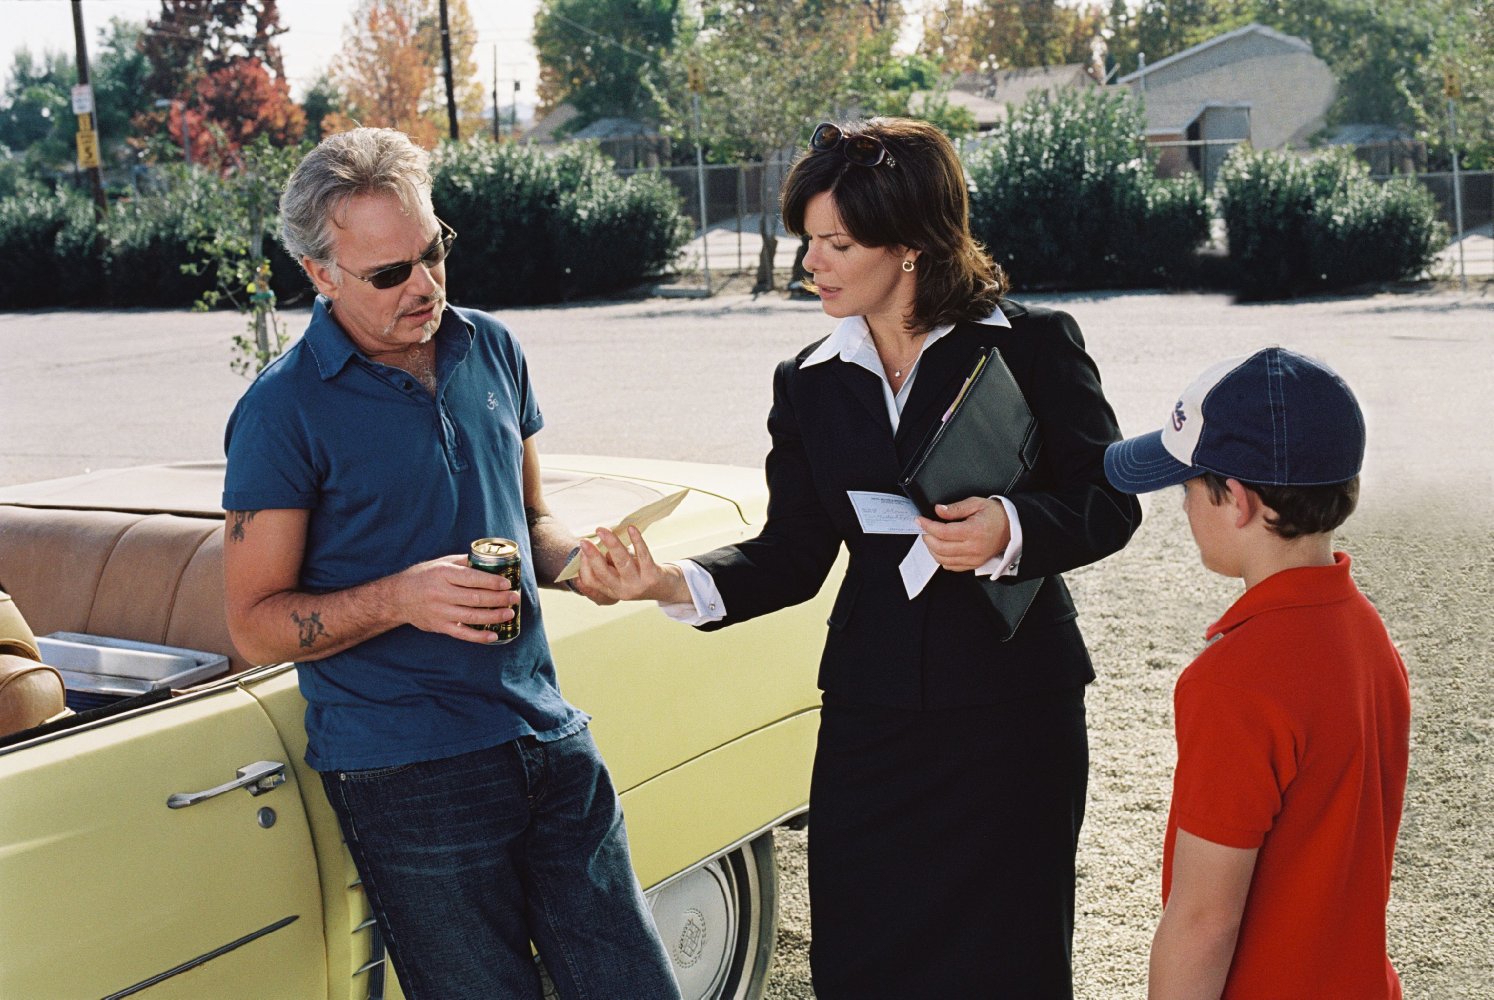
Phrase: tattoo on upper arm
(238, 520)
(311, 627)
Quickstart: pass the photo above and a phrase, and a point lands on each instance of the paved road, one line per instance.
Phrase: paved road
(689, 379)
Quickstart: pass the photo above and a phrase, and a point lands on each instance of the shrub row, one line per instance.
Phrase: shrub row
(133, 257)
(1064, 194)
(534, 228)
(1296, 225)
(538, 228)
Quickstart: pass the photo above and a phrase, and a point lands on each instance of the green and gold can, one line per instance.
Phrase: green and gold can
(501, 556)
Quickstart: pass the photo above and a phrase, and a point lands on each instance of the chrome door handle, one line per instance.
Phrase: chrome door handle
(258, 778)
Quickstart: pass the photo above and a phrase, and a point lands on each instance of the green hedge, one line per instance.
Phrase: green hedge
(133, 258)
(534, 228)
(1296, 225)
(45, 237)
(537, 227)
(1064, 193)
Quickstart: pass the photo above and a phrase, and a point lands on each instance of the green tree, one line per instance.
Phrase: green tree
(886, 84)
(219, 61)
(37, 119)
(119, 74)
(1167, 27)
(322, 99)
(1377, 51)
(599, 55)
(1392, 60)
(1466, 56)
(985, 35)
(190, 39)
(769, 70)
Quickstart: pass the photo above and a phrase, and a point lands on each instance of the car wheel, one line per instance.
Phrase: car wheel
(719, 923)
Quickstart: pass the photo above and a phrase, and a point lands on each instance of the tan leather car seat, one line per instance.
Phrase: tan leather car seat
(16, 637)
(30, 693)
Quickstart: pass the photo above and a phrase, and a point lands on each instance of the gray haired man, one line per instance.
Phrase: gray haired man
(361, 465)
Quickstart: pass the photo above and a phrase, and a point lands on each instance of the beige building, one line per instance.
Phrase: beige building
(1252, 84)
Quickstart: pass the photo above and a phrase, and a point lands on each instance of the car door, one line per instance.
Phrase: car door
(129, 862)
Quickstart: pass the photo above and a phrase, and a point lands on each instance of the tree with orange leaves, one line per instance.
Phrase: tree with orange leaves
(231, 107)
(389, 70)
(219, 63)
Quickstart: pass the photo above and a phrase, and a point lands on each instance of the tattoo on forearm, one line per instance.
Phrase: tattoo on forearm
(238, 520)
(311, 627)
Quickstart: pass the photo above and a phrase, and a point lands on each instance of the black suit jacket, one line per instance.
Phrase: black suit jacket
(830, 434)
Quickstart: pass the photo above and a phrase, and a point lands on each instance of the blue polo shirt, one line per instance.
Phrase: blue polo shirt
(392, 477)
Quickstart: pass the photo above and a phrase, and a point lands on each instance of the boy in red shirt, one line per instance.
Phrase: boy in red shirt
(1293, 724)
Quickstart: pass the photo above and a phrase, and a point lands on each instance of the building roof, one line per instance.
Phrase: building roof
(1228, 36)
(616, 128)
(546, 128)
(1012, 86)
(986, 95)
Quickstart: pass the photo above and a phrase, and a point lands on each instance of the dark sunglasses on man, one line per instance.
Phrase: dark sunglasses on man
(862, 150)
(397, 274)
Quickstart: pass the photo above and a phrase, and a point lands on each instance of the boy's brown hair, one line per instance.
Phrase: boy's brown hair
(1296, 510)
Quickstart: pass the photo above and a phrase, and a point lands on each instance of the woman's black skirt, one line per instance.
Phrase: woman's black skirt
(941, 849)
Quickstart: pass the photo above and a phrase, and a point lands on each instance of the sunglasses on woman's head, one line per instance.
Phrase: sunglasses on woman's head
(397, 274)
(862, 150)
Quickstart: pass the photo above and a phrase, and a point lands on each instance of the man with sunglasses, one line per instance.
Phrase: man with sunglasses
(361, 465)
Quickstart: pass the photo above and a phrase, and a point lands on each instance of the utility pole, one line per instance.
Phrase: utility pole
(88, 137)
(451, 115)
(497, 126)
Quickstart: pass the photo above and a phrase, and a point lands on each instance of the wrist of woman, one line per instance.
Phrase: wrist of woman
(671, 588)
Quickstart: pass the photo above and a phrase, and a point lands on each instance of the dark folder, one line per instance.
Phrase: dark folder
(986, 445)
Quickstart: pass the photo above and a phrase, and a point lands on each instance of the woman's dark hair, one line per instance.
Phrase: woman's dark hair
(920, 202)
(1296, 510)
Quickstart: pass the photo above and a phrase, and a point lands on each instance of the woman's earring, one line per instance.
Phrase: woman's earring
(908, 266)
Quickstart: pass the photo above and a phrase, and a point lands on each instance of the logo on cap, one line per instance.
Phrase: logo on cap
(1179, 417)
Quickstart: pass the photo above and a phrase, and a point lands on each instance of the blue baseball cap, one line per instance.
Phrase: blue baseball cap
(1276, 418)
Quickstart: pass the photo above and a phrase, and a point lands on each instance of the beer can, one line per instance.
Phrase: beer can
(501, 556)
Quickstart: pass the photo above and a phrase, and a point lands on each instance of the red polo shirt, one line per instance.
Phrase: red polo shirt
(1293, 729)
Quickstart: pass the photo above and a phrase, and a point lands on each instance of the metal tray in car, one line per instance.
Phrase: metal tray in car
(121, 668)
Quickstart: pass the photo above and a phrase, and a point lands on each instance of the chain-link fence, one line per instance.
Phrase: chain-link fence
(1477, 195)
(734, 200)
(1465, 202)
(734, 203)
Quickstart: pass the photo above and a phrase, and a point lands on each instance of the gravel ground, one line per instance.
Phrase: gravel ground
(690, 380)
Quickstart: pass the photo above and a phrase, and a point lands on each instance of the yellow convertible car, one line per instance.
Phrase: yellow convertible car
(161, 836)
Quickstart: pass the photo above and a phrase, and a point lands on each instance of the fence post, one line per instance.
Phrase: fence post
(1452, 142)
(705, 253)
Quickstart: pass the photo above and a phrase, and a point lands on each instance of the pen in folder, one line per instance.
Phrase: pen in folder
(963, 389)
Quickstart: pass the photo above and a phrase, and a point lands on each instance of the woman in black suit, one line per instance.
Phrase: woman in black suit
(950, 774)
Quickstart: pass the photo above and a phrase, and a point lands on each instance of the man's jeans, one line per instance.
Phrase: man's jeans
(466, 860)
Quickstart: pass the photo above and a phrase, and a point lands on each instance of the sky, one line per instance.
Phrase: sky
(315, 32)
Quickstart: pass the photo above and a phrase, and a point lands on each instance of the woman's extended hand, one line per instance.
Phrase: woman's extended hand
(972, 532)
(616, 574)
